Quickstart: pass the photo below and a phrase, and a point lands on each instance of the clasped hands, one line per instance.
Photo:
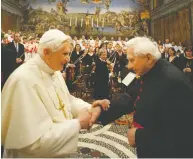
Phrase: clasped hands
(87, 117)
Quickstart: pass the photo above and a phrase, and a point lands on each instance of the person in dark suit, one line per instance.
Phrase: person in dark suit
(18, 50)
(7, 64)
(163, 121)
(101, 86)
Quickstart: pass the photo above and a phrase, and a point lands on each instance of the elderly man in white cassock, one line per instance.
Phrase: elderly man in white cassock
(39, 116)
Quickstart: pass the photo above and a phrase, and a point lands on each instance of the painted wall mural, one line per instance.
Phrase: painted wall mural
(88, 17)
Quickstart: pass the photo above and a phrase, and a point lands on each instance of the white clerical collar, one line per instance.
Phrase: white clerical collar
(43, 66)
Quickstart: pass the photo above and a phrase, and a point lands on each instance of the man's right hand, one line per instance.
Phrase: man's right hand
(84, 118)
(18, 60)
(187, 70)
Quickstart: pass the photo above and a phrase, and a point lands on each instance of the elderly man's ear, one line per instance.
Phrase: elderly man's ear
(47, 51)
(150, 58)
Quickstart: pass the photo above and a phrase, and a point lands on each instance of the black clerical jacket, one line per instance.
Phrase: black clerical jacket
(163, 113)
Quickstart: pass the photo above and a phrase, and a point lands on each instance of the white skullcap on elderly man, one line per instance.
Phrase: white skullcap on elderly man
(53, 39)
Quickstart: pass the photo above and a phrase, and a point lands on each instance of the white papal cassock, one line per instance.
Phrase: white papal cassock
(32, 125)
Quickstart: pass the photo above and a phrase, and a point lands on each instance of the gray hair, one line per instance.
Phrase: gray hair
(102, 50)
(143, 46)
(53, 39)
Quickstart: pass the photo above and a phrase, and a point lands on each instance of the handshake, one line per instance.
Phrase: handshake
(87, 117)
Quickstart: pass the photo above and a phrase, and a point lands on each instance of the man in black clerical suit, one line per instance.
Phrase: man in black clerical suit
(18, 50)
(163, 111)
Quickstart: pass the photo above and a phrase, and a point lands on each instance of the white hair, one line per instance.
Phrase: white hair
(143, 46)
(52, 39)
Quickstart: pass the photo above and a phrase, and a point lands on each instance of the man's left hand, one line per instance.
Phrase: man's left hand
(131, 136)
(95, 112)
(188, 70)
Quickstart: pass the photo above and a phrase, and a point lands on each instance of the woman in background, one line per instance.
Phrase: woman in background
(172, 55)
(185, 63)
(101, 83)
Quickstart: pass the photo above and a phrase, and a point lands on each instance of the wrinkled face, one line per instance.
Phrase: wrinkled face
(189, 53)
(58, 58)
(104, 55)
(139, 64)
